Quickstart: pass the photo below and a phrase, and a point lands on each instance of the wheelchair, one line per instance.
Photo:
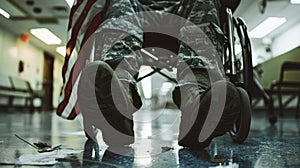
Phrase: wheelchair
(237, 66)
(239, 69)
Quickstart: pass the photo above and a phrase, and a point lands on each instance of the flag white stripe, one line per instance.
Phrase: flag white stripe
(72, 101)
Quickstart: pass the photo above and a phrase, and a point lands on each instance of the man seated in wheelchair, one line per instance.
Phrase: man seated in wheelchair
(111, 47)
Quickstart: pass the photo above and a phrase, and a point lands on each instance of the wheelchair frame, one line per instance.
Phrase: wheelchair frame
(249, 82)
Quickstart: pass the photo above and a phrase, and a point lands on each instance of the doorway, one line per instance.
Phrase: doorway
(48, 81)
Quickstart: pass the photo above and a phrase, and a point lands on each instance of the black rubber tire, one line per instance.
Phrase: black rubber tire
(241, 128)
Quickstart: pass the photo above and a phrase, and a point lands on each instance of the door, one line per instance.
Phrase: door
(48, 81)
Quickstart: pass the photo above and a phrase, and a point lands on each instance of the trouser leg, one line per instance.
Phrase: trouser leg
(106, 93)
(209, 104)
(106, 104)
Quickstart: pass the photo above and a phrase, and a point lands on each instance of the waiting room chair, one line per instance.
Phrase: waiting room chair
(288, 84)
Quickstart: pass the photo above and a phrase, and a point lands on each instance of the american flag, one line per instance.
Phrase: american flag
(85, 17)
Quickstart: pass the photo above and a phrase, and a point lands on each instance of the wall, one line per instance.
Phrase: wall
(271, 68)
(13, 50)
(57, 79)
(285, 47)
(281, 44)
(287, 41)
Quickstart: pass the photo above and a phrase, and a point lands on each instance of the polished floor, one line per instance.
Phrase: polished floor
(155, 144)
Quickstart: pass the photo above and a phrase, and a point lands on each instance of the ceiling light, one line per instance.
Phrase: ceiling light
(4, 13)
(266, 27)
(295, 1)
(61, 50)
(46, 36)
(70, 2)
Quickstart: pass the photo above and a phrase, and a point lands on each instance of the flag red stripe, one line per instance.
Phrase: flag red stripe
(68, 90)
(75, 31)
(93, 25)
(73, 10)
(73, 113)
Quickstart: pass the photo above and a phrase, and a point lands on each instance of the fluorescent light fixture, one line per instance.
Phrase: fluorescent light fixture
(266, 27)
(46, 36)
(70, 2)
(4, 13)
(295, 1)
(61, 50)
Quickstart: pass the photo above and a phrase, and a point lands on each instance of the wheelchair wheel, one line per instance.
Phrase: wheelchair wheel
(241, 127)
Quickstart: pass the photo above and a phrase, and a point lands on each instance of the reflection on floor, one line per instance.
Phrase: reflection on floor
(156, 144)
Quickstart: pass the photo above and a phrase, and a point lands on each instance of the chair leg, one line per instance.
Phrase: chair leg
(298, 106)
(280, 103)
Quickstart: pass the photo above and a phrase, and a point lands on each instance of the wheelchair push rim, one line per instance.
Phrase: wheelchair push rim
(244, 62)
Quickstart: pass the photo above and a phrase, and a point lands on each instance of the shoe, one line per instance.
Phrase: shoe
(100, 96)
(194, 131)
